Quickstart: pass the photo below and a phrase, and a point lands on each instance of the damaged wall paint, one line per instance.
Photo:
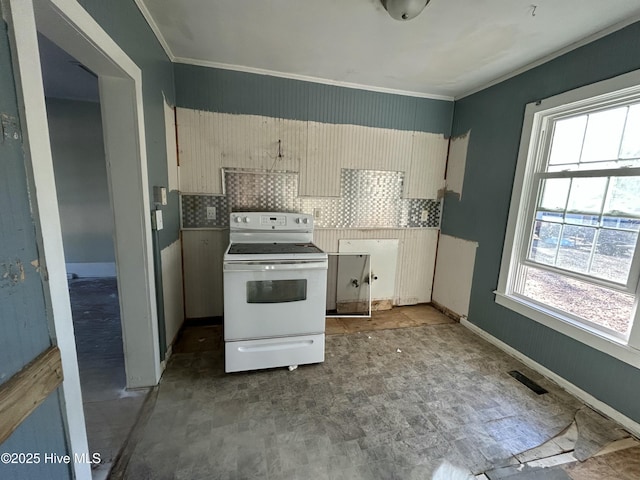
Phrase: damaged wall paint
(243, 120)
(456, 163)
(455, 262)
(11, 273)
(210, 141)
(10, 127)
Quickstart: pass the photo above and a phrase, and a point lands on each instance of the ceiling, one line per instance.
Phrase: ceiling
(452, 48)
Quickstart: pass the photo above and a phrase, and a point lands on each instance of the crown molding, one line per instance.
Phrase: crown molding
(307, 78)
(155, 28)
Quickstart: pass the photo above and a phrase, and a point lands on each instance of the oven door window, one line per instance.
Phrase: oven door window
(276, 291)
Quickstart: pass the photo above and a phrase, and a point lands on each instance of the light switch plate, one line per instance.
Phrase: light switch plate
(156, 219)
(425, 216)
(160, 195)
(211, 213)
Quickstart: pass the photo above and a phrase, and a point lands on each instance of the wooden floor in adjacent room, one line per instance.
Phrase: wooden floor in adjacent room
(398, 317)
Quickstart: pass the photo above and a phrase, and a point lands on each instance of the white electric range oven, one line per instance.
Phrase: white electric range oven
(275, 282)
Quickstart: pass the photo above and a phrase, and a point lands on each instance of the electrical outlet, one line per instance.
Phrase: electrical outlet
(211, 213)
(424, 216)
(316, 213)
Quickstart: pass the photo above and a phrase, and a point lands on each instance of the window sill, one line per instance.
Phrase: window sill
(582, 333)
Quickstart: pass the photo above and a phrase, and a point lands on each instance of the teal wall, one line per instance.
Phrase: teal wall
(495, 117)
(226, 91)
(24, 331)
(77, 148)
(124, 23)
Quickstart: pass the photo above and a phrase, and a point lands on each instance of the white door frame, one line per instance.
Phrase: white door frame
(67, 24)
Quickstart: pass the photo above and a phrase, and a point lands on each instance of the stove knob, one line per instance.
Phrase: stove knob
(237, 219)
(305, 220)
(246, 219)
(298, 220)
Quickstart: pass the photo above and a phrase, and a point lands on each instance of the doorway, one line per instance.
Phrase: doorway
(69, 26)
(77, 146)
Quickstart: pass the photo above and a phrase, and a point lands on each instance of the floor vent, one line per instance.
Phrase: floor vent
(527, 382)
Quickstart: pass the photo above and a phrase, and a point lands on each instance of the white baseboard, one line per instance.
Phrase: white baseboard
(83, 270)
(632, 426)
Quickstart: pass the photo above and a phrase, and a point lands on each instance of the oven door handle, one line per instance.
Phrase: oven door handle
(272, 266)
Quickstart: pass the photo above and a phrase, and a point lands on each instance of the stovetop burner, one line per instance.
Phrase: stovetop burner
(272, 248)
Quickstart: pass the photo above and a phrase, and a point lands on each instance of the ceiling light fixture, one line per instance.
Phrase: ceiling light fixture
(404, 9)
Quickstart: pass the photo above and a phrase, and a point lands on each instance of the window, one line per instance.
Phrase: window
(571, 258)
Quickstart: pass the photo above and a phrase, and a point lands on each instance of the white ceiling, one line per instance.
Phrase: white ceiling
(452, 48)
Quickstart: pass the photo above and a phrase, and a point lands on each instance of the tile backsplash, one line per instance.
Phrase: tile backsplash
(368, 199)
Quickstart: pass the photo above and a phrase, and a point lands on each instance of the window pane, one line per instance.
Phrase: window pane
(587, 195)
(609, 164)
(604, 132)
(607, 308)
(554, 193)
(575, 248)
(568, 135)
(631, 139)
(621, 223)
(580, 219)
(623, 198)
(544, 242)
(570, 167)
(614, 254)
(550, 216)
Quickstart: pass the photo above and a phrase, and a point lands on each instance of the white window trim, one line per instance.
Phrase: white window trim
(614, 89)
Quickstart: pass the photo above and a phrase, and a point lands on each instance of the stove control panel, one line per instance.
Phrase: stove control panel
(262, 221)
(277, 220)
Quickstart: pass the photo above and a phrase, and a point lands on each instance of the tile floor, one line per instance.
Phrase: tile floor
(385, 404)
(110, 410)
